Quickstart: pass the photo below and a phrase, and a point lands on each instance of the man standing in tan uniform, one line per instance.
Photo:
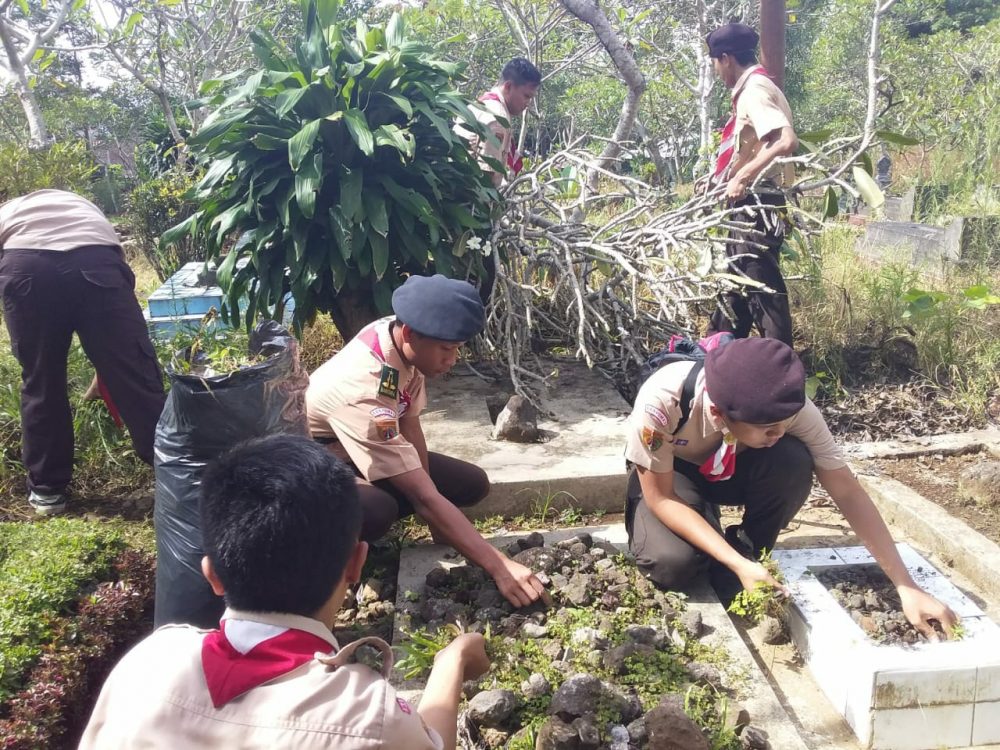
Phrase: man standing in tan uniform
(758, 132)
(62, 271)
(280, 518)
(365, 404)
(738, 429)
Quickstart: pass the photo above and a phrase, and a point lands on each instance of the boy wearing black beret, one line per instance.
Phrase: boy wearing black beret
(748, 436)
(365, 404)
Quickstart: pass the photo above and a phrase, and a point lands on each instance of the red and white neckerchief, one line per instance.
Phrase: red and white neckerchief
(720, 465)
(724, 156)
(514, 161)
(244, 654)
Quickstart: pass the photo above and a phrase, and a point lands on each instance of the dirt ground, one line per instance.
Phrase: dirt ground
(936, 478)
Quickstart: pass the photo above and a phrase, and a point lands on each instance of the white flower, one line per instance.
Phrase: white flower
(474, 242)
(487, 249)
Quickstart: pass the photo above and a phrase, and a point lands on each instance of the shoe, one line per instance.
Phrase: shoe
(47, 505)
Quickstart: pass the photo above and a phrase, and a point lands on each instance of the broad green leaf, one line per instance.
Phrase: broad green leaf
(25, 8)
(375, 212)
(830, 203)
(816, 136)
(394, 31)
(225, 272)
(350, 194)
(380, 254)
(287, 100)
(868, 188)
(898, 138)
(268, 142)
(401, 102)
(461, 214)
(301, 144)
(341, 227)
(358, 128)
(307, 184)
(401, 140)
(133, 20)
(326, 11)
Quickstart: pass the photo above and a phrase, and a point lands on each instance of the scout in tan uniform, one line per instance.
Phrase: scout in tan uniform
(365, 404)
(519, 82)
(758, 132)
(751, 438)
(280, 523)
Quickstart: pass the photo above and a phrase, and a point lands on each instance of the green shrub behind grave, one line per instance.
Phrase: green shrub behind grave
(44, 568)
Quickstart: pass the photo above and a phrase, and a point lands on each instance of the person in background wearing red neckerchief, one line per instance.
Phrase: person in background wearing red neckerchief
(280, 518)
(759, 131)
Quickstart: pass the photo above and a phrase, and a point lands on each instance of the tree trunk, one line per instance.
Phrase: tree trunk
(39, 133)
(354, 309)
(591, 14)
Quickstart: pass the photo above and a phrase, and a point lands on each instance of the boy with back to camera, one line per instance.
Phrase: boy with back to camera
(281, 519)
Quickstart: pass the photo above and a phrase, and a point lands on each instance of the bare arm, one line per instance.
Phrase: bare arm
(462, 659)
(516, 582)
(864, 518)
(779, 142)
(410, 428)
(687, 523)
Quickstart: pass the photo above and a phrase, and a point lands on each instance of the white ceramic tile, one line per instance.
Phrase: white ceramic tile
(927, 728)
(988, 683)
(986, 723)
(857, 710)
(919, 687)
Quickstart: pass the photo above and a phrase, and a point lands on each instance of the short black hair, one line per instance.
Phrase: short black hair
(520, 71)
(745, 57)
(279, 518)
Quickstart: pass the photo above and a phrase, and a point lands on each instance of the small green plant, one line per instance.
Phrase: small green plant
(763, 599)
(542, 508)
(958, 632)
(420, 648)
(708, 707)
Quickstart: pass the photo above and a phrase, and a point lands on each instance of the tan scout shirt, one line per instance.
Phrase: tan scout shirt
(157, 697)
(657, 411)
(53, 220)
(761, 107)
(344, 401)
(491, 109)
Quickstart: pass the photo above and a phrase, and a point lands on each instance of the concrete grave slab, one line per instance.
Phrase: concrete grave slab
(916, 698)
(742, 673)
(580, 465)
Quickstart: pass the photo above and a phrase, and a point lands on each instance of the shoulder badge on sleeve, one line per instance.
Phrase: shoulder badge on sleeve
(388, 382)
(652, 439)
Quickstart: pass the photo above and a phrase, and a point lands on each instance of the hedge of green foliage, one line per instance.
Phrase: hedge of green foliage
(44, 569)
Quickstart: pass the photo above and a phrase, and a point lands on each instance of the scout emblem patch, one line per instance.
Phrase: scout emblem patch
(386, 429)
(652, 439)
(388, 382)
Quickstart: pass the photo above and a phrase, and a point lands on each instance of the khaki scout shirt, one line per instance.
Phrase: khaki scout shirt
(761, 107)
(657, 411)
(345, 401)
(487, 113)
(157, 697)
(53, 220)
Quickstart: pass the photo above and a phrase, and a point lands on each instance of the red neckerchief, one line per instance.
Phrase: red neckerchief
(720, 465)
(514, 162)
(724, 156)
(369, 337)
(244, 654)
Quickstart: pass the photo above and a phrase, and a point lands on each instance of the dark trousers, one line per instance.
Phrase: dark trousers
(49, 295)
(462, 483)
(772, 483)
(768, 311)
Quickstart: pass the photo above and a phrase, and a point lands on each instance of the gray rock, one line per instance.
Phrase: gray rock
(589, 637)
(603, 564)
(578, 550)
(512, 549)
(556, 734)
(772, 631)
(752, 738)
(532, 630)
(598, 553)
(491, 708)
(546, 559)
(489, 598)
(619, 737)
(576, 697)
(535, 686)
(670, 728)
(552, 650)
(495, 403)
(637, 731)
(534, 539)
(702, 672)
(517, 421)
(495, 737)
(641, 634)
(442, 609)
(627, 705)
(980, 482)
(577, 592)
(437, 578)
(615, 658)
(692, 624)
(590, 738)
(737, 717)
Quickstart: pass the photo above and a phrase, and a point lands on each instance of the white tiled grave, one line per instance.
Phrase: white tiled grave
(919, 697)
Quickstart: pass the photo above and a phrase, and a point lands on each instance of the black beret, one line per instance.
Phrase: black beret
(758, 381)
(439, 307)
(733, 37)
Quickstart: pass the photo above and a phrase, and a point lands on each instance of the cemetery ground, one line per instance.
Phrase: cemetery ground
(75, 592)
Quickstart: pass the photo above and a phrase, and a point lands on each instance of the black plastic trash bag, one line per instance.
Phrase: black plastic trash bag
(204, 417)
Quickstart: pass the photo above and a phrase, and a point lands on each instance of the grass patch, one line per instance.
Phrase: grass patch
(43, 569)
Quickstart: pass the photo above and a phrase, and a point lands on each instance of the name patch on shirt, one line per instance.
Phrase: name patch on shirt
(658, 415)
(388, 382)
(383, 412)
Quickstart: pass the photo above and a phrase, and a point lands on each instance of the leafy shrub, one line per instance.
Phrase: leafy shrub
(153, 207)
(65, 166)
(338, 169)
(43, 568)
